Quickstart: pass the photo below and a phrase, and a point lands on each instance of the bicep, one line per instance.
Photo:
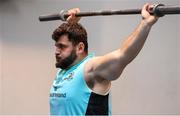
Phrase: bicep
(109, 66)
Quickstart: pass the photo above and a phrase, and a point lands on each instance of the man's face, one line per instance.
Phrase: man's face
(65, 53)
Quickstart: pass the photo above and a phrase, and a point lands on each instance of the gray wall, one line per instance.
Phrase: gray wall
(1, 63)
(149, 85)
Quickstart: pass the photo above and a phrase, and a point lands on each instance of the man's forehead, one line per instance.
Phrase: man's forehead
(63, 38)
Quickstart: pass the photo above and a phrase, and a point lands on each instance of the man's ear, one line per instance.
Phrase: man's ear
(80, 48)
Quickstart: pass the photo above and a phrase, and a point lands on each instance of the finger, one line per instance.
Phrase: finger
(145, 7)
(72, 15)
(69, 18)
(77, 10)
(72, 18)
(150, 7)
(74, 11)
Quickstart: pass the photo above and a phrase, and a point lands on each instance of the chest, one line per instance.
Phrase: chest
(67, 86)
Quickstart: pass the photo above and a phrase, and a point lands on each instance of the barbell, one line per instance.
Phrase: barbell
(157, 9)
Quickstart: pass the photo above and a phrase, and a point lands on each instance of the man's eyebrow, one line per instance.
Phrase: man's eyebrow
(60, 45)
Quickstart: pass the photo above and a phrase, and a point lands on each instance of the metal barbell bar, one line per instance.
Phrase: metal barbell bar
(157, 9)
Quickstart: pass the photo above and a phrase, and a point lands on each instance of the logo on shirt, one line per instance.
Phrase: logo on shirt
(56, 87)
(63, 95)
(69, 77)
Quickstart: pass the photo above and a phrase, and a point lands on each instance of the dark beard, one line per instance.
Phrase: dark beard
(65, 63)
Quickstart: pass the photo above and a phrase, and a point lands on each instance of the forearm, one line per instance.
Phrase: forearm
(132, 46)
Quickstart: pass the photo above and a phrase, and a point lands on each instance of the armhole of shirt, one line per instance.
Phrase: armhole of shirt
(85, 83)
(83, 75)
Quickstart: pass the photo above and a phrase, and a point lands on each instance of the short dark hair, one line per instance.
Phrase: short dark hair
(76, 33)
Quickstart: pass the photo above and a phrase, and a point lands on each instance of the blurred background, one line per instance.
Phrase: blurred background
(149, 85)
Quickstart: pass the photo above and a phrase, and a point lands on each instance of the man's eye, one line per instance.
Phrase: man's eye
(62, 47)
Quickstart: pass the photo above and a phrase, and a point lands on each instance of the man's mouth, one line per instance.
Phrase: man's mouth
(58, 59)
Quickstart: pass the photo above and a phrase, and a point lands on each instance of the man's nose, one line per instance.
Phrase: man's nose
(58, 51)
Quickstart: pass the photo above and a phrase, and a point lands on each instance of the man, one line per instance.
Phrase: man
(82, 84)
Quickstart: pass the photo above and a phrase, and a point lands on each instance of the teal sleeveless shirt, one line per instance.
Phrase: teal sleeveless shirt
(70, 95)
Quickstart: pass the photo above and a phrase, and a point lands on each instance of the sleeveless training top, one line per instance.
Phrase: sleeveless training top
(70, 95)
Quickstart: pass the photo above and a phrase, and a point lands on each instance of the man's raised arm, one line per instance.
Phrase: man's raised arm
(110, 66)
